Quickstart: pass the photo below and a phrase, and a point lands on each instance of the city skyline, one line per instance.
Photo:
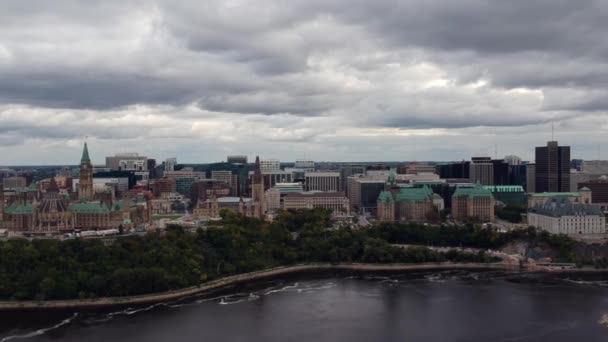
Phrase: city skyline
(177, 79)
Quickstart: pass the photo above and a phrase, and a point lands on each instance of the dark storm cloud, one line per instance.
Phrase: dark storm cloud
(326, 64)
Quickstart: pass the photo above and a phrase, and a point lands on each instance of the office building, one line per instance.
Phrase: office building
(500, 170)
(337, 202)
(363, 193)
(152, 169)
(127, 162)
(347, 171)
(512, 160)
(598, 188)
(271, 178)
(552, 168)
(579, 177)
(170, 164)
(481, 171)
(304, 165)
(270, 165)
(227, 177)
(531, 178)
(322, 181)
(258, 190)
(458, 170)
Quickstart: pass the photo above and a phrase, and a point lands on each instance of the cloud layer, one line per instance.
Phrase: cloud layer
(328, 80)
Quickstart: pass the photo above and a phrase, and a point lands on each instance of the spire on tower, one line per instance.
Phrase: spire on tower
(85, 155)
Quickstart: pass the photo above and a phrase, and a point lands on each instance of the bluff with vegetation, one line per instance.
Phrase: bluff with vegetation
(79, 268)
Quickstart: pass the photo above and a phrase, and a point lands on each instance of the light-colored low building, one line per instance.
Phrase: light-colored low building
(275, 194)
(322, 181)
(561, 216)
(335, 201)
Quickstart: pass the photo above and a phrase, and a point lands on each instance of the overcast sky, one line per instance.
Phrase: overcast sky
(343, 80)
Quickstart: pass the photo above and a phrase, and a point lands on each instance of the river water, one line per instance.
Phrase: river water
(441, 306)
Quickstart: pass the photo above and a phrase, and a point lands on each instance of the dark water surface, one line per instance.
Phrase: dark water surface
(445, 306)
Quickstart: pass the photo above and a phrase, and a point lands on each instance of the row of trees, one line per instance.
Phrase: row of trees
(50, 269)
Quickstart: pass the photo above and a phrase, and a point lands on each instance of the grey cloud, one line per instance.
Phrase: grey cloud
(349, 63)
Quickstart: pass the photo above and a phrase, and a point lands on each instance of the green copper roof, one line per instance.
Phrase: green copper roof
(556, 194)
(414, 194)
(385, 196)
(504, 188)
(89, 208)
(475, 191)
(85, 155)
(17, 208)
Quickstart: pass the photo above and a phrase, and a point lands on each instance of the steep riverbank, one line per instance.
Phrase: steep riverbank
(239, 279)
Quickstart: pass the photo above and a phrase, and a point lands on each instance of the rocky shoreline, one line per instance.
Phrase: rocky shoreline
(255, 276)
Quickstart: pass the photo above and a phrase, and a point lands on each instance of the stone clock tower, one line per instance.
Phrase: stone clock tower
(85, 185)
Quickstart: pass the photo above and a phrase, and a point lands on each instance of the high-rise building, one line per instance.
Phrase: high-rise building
(270, 165)
(512, 160)
(347, 171)
(170, 164)
(482, 171)
(127, 162)
(459, 170)
(552, 168)
(227, 177)
(85, 184)
(322, 181)
(363, 193)
(531, 178)
(257, 190)
(500, 169)
(152, 168)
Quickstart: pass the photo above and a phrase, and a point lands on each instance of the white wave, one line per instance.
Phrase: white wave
(283, 289)
(309, 289)
(41, 331)
(226, 300)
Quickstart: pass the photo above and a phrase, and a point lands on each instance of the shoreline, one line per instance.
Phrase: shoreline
(218, 284)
